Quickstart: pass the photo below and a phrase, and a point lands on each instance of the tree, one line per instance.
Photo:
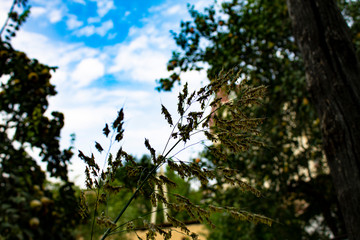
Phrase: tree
(333, 79)
(29, 209)
(257, 37)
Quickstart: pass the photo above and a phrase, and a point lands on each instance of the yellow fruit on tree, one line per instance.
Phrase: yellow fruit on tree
(34, 222)
(36, 188)
(35, 204)
(33, 77)
(46, 200)
(305, 101)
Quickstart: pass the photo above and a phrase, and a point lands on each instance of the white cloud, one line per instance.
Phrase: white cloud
(112, 36)
(104, 28)
(56, 52)
(144, 55)
(37, 11)
(86, 31)
(104, 6)
(34, 44)
(55, 15)
(63, 55)
(4, 9)
(140, 64)
(72, 22)
(93, 19)
(168, 8)
(80, 1)
(87, 71)
(90, 30)
(54, 11)
(173, 10)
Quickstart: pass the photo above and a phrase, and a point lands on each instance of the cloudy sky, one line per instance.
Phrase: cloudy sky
(109, 54)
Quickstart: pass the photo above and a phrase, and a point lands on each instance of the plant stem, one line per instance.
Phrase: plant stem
(95, 210)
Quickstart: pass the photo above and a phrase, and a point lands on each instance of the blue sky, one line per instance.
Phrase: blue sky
(96, 23)
(109, 54)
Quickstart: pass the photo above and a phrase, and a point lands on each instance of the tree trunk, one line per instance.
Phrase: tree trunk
(333, 79)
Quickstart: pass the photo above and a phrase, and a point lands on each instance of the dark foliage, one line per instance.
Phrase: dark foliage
(256, 37)
(29, 209)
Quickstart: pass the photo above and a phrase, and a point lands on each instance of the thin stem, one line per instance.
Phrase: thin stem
(174, 146)
(193, 144)
(108, 152)
(95, 210)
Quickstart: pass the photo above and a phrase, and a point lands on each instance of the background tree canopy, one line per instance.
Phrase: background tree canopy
(29, 209)
(256, 36)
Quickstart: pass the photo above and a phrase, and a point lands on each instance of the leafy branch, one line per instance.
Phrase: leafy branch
(15, 20)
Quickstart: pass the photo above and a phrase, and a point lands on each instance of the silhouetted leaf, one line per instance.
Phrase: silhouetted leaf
(166, 114)
(98, 147)
(106, 130)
